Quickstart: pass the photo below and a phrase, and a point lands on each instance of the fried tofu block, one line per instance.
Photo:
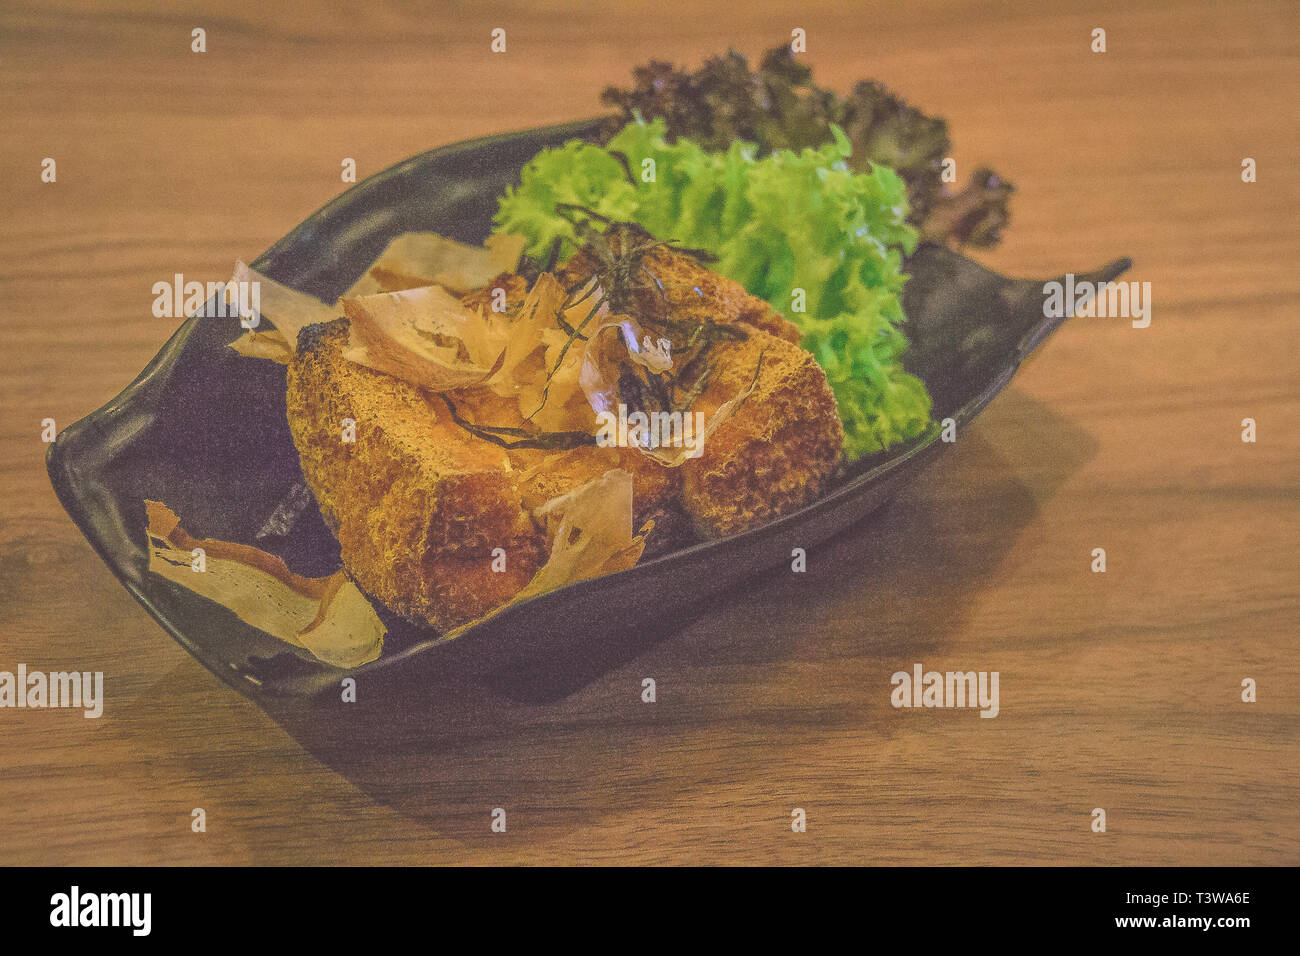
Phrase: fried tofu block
(786, 440)
(417, 504)
(777, 451)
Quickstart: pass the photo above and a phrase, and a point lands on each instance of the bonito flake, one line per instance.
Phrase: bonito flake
(590, 534)
(329, 616)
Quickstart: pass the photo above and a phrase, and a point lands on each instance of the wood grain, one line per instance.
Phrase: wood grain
(1118, 690)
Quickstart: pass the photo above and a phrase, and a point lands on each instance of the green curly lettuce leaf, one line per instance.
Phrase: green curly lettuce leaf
(800, 230)
(777, 105)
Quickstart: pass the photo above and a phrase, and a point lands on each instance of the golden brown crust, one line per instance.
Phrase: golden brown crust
(777, 451)
(417, 504)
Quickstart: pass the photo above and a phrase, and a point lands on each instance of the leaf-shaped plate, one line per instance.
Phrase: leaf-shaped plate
(204, 430)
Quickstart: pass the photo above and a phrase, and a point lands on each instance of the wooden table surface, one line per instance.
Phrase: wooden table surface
(1119, 690)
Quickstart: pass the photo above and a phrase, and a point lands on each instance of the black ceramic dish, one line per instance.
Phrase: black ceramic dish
(203, 430)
